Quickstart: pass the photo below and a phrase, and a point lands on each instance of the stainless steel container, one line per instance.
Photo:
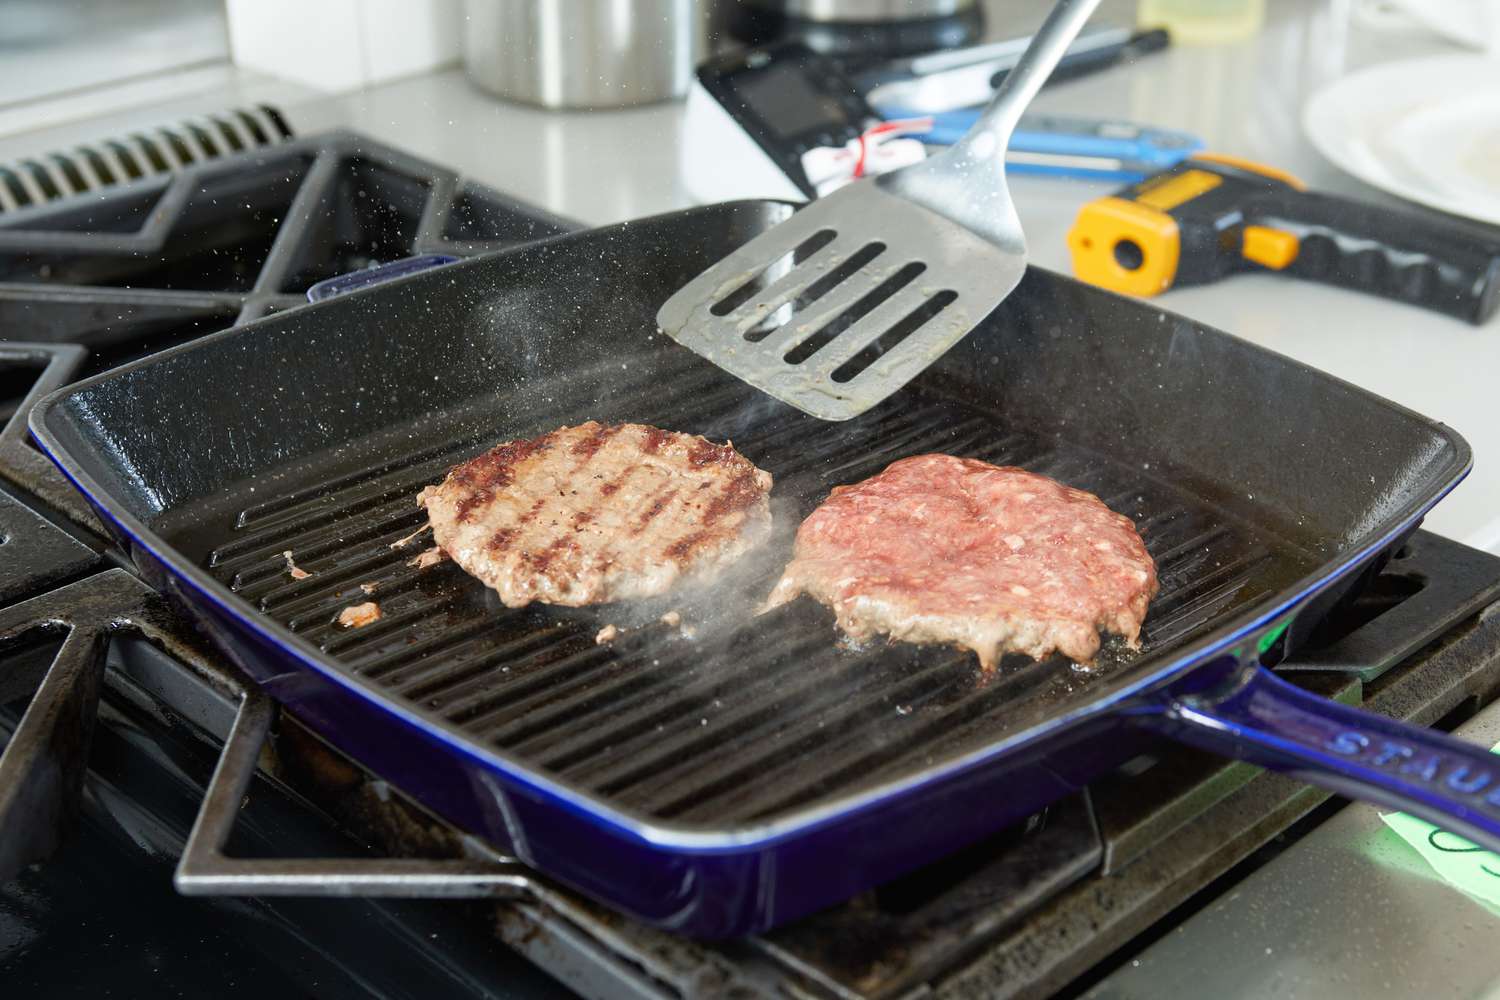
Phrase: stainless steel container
(584, 53)
(865, 11)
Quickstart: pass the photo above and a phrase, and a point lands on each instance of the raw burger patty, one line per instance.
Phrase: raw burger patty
(598, 513)
(993, 559)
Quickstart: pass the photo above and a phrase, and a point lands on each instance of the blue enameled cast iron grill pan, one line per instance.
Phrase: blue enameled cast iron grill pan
(726, 782)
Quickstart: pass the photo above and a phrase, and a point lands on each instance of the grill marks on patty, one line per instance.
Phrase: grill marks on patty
(599, 512)
(494, 470)
(656, 507)
(741, 492)
(655, 438)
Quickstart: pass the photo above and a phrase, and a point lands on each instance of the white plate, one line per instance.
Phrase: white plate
(1425, 129)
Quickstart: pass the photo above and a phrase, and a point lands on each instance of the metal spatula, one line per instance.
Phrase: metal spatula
(853, 296)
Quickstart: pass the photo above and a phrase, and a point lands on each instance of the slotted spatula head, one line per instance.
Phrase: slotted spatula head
(841, 305)
(845, 302)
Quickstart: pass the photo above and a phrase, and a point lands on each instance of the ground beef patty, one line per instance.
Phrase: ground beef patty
(944, 549)
(598, 513)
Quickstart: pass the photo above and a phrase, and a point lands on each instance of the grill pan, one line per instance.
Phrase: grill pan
(726, 782)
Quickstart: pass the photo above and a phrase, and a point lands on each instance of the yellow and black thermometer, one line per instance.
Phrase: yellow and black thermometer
(1213, 216)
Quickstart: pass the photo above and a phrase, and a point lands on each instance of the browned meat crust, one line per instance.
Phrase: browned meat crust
(598, 513)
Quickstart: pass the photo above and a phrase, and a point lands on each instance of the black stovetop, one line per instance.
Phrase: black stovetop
(1043, 908)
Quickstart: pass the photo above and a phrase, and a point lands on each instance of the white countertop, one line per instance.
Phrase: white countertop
(1244, 99)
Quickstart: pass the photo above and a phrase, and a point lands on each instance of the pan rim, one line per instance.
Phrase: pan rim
(731, 839)
(744, 837)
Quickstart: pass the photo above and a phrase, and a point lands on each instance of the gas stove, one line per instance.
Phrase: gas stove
(131, 747)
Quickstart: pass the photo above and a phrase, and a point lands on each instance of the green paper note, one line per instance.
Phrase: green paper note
(1472, 869)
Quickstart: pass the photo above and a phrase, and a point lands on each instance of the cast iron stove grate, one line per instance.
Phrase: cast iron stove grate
(90, 282)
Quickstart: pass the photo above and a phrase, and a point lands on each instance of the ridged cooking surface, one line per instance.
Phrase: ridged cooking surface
(752, 716)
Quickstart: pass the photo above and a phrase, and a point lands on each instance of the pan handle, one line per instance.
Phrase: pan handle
(1269, 722)
(329, 287)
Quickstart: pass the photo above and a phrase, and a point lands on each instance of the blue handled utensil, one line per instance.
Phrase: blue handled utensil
(1091, 148)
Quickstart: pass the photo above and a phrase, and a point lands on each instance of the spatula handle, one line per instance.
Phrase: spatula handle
(991, 133)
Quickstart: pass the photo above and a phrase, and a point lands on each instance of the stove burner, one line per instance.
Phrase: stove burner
(102, 917)
(94, 282)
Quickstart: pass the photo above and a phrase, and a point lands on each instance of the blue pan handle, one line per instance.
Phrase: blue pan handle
(329, 287)
(1267, 721)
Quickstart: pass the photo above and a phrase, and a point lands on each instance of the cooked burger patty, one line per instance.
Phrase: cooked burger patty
(993, 559)
(598, 513)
